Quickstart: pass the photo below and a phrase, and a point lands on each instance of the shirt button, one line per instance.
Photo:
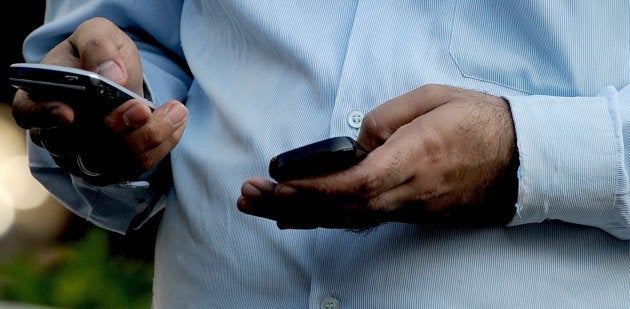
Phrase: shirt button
(329, 303)
(355, 118)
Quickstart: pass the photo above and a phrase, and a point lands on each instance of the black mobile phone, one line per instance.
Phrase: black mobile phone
(91, 94)
(319, 158)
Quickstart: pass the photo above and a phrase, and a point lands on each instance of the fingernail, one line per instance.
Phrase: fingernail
(176, 114)
(250, 191)
(110, 70)
(59, 113)
(134, 116)
(243, 205)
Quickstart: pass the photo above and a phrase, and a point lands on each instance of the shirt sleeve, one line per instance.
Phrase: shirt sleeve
(124, 206)
(574, 166)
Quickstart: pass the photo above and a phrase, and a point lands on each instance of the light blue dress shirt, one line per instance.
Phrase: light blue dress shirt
(268, 76)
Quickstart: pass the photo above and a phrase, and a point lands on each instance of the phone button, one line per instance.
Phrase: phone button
(71, 78)
(355, 117)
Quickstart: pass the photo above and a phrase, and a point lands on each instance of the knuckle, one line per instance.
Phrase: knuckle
(373, 181)
(368, 123)
(430, 89)
(372, 125)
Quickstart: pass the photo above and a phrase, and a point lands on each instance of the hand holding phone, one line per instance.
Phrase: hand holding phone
(319, 158)
(91, 95)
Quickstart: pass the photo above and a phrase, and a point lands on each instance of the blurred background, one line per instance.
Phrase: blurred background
(50, 258)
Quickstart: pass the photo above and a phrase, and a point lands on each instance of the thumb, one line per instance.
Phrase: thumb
(106, 49)
(111, 70)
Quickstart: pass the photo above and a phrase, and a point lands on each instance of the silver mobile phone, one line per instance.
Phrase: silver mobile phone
(90, 94)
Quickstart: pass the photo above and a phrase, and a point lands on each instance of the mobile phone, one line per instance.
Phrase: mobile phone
(89, 93)
(319, 158)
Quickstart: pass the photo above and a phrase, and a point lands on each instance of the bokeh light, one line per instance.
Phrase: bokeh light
(28, 214)
(22, 190)
(11, 139)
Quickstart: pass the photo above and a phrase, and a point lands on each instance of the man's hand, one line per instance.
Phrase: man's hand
(132, 139)
(438, 154)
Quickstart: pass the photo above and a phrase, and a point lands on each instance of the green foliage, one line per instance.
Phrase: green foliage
(78, 275)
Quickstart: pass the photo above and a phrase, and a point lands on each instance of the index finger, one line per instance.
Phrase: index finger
(380, 123)
(380, 171)
(29, 114)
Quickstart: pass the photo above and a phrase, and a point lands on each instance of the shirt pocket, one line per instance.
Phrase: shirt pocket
(546, 47)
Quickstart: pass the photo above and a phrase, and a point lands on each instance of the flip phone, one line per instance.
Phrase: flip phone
(318, 158)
